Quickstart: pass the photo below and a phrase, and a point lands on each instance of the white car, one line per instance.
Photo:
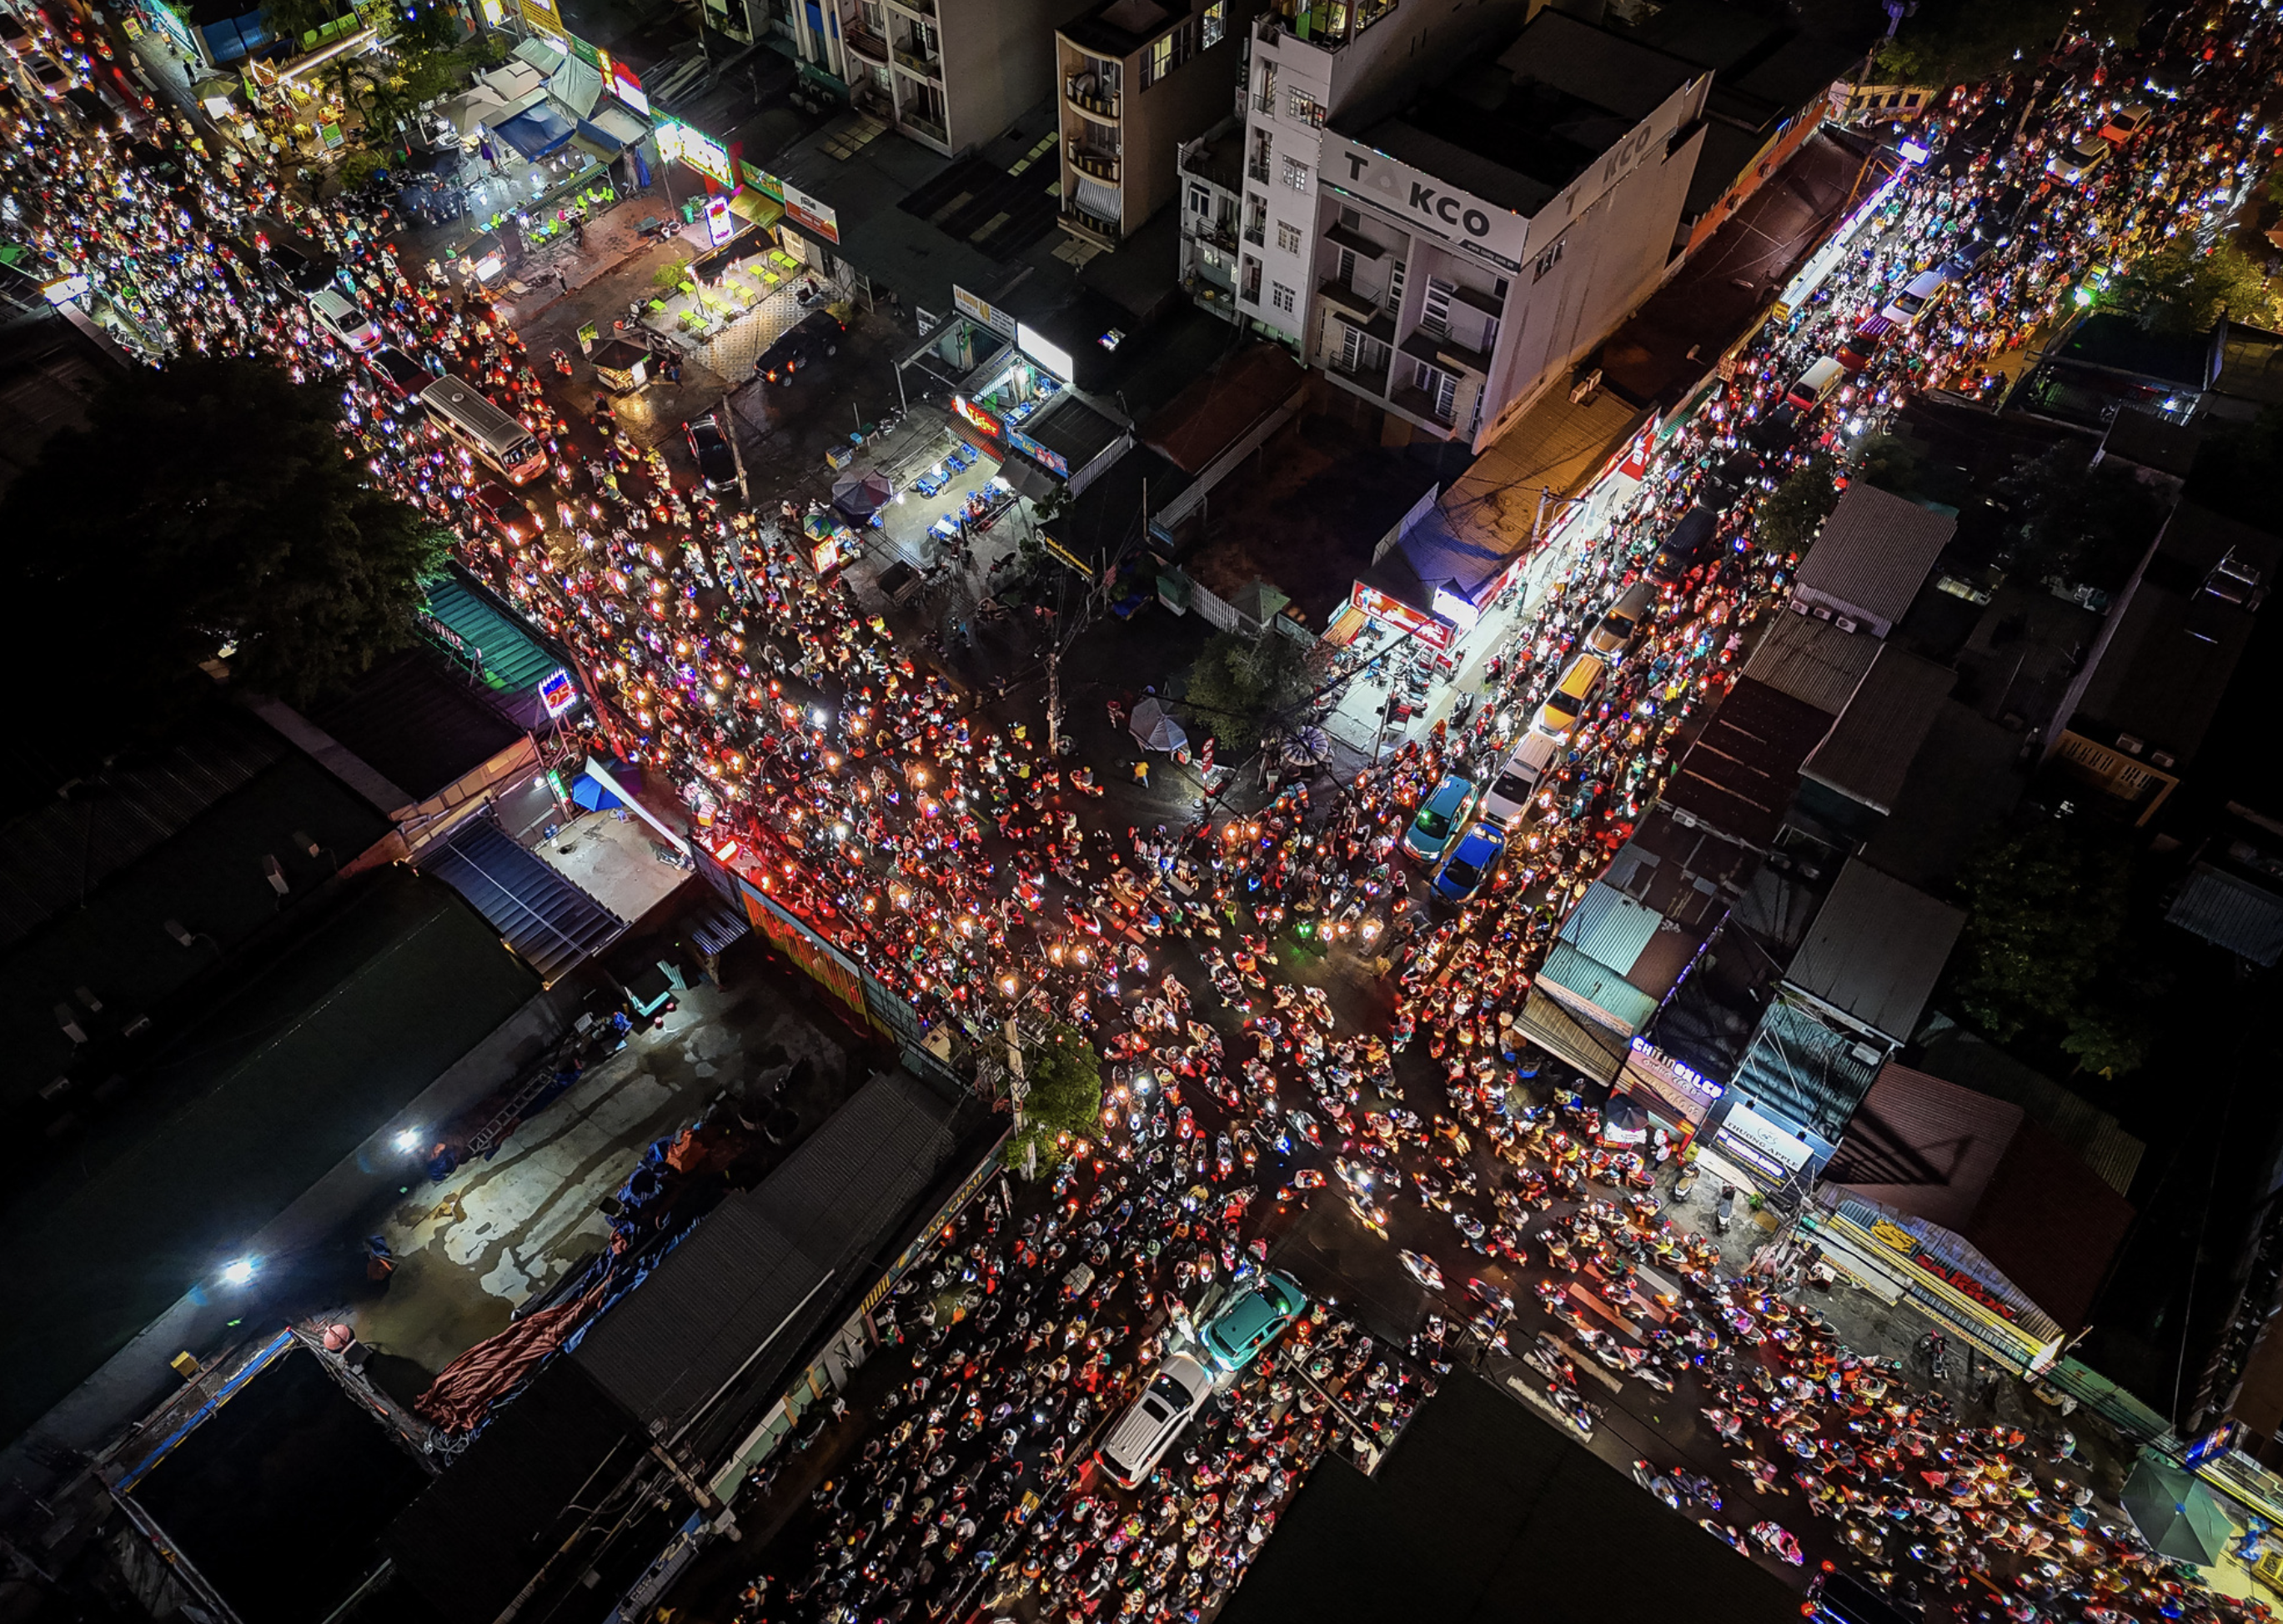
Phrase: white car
(1143, 1434)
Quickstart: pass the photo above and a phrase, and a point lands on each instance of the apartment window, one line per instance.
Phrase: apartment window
(1159, 61)
(1395, 285)
(1257, 167)
(1351, 220)
(1266, 100)
(1288, 237)
(1302, 108)
(1435, 312)
(1295, 174)
(1256, 220)
(876, 18)
(1216, 23)
(1548, 261)
(1441, 389)
(1359, 353)
(1200, 200)
(1249, 284)
(1282, 297)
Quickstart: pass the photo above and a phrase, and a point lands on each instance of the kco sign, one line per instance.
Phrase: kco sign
(1493, 233)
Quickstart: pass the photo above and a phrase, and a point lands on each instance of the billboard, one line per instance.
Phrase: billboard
(1437, 635)
(1486, 230)
(811, 214)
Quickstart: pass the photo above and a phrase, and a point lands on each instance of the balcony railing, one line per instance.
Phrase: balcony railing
(866, 44)
(1221, 236)
(918, 8)
(926, 126)
(926, 67)
(1258, 169)
(1089, 224)
(1100, 166)
(1103, 104)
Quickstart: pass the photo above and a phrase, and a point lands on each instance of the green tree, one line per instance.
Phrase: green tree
(1063, 1105)
(1945, 43)
(2078, 523)
(1795, 509)
(292, 20)
(210, 511)
(1894, 463)
(1237, 686)
(2040, 956)
(2180, 291)
(2239, 467)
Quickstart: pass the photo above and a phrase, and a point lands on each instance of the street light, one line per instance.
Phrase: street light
(238, 1271)
(409, 1140)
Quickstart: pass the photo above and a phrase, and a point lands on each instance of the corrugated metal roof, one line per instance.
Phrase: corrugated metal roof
(1741, 775)
(1811, 660)
(54, 855)
(1805, 1069)
(513, 660)
(1591, 1049)
(2097, 1138)
(1924, 1147)
(418, 722)
(1610, 927)
(766, 1270)
(1875, 949)
(1874, 554)
(1571, 975)
(1868, 754)
(548, 922)
(2231, 912)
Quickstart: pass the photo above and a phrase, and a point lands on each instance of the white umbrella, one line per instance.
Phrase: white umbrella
(1307, 747)
(1155, 729)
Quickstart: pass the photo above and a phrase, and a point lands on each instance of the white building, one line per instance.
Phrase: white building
(1451, 261)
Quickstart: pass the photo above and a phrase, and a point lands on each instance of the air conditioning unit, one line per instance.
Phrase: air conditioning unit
(1821, 611)
(1799, 606)
(1846, 623)
(2130, 745)
(275, 872)
(2161, 758)
(1868, 1054)
(1582, 391)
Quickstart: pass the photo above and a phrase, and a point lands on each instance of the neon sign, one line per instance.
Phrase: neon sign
(700, 152)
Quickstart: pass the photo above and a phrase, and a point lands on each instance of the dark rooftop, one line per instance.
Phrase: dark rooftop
(1214, 412)
(1485, 1514)
(1074, 431)
(1742, 771)
(417, 721)
(1875, 949)
(1517, 130)
(1120, 27)
(1218, 157)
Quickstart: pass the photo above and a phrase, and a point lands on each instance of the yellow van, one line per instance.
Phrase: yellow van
(1558, 717)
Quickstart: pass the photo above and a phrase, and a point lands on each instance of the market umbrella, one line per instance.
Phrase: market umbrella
(1624, 1122)
(2175, 1512)
(818, 526)
(1308, 747)
(1155, 730)
(860, 495)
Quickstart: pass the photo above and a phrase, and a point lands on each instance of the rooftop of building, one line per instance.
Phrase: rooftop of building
(2151, 441)
(2173, 644)
(1875, 949)
(1218, 407)
(2247, 364)
(1482, 1513)
(1811, 660)
(1217, 157)
(1866, 755)
(419, 720)
(1516, 129)
(1740, 773)
(2093, 1135)
(290, 1066)
(1120, 27)
(1874, 553)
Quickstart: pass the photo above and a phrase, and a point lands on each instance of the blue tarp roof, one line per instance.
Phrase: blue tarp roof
(1442, 558)
(535, 132)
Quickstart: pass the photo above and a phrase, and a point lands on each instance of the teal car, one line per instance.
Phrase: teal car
(1240, 1330)
(1441, 816)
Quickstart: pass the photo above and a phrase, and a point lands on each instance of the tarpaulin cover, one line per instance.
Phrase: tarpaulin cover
(535, 131)
(466, 1388)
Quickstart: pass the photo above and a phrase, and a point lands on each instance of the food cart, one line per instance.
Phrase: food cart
(622, 366)
(826, 545)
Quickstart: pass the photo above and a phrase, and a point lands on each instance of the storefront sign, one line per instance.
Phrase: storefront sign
(720, 224)
(1760, 1144)
(63, 289)
(761, 181)
(811, 214)
(1055, 359)
(975, 414)
(983, 311)
(1053, 461)
(1437, 634)
(542, 15)
(557, 693)
(1663, 1085)
(699, 151)
(1456, 610)
(626, 86)
(1483, 230)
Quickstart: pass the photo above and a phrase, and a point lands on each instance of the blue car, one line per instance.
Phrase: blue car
(1440, 817)
(1470, 863)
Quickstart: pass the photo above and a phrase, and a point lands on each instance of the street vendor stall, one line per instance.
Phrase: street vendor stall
(622, 366)
(826, 544)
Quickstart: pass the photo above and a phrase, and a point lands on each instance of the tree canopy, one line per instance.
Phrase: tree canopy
(1791, 515)
(2042, 955)
(1238, 685)
(2079, 523)
(1945, 43)
(210, 511)
(2239, 467)
(2180, 291)
(1064, 1103)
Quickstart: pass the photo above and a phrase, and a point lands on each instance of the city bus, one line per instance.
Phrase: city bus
(460, 411)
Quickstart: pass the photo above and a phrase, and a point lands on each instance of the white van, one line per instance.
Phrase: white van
(344, 321)
(1906, 306)
(1506, 802)
(1143, 1434)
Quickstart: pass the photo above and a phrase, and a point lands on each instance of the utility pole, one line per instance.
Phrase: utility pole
(1055, 698)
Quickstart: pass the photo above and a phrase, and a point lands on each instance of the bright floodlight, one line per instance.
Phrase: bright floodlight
(237, 1273)
(409, 1140)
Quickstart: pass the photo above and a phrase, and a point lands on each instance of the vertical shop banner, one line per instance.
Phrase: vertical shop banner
(811, 214)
